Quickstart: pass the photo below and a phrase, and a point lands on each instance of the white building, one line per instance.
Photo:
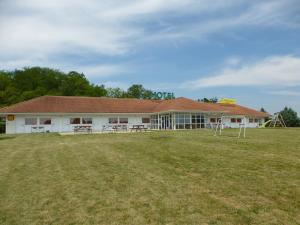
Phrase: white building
(69, 114)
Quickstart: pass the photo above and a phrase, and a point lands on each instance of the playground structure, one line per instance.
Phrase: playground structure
(220, 126)
(276, 121)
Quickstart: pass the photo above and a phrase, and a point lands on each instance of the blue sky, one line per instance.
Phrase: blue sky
(248, 50)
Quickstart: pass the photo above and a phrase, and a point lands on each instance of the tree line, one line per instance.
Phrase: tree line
(27, 83)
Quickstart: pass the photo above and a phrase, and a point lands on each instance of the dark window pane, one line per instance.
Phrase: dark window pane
(123, 120)
(238, 120)
(45, 121)
(75, 121)
(87, 120)
(145, 120)
(233, 120)
(187, 126)
(113, 120)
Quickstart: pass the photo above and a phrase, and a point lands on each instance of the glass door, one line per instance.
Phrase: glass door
(165, 122)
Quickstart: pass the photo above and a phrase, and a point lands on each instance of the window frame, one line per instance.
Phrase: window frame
(86, 120)
(113, 120)
(31, 118)
(123, 120)
(146, 118)
(75, 118)
(45, 119)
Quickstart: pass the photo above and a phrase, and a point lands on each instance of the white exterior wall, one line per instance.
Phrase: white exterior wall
(61, 123)
(228, 124)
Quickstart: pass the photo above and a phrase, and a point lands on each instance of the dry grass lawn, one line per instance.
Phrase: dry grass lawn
(183, 177)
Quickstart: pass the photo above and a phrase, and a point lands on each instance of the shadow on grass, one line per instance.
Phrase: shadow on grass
(4, 137)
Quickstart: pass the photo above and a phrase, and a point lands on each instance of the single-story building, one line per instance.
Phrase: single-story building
(66, 113)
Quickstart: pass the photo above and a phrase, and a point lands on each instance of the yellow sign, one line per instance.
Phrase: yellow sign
(11, 117)
(227, 101)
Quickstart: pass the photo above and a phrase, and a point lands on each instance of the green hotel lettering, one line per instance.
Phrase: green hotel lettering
(163, 95)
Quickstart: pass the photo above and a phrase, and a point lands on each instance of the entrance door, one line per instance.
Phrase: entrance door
(165, 122)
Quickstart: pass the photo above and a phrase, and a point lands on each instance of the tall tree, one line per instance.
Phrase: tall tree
(74, 84)
(262, 110)
(138, 91)
(290, 117)
(115, 92)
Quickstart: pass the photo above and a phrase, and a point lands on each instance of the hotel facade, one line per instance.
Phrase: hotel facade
(100, 114)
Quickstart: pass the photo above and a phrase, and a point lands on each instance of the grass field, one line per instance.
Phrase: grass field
(183, 177)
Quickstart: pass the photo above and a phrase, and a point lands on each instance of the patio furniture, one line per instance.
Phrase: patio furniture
(37, 129)
(139, 128)
(82, 128)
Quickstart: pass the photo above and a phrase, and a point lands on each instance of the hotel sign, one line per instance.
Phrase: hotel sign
(163, 95)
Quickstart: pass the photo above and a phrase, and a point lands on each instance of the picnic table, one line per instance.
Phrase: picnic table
(114, 128)
(83, 128)
(37, 129)
(137, 128)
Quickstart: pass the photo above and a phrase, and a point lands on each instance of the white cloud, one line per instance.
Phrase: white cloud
(38, 31)
(272, 71)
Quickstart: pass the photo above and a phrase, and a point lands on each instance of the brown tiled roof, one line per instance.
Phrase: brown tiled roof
(75, 104)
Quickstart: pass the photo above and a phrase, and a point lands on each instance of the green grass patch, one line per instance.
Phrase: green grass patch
(182, 177)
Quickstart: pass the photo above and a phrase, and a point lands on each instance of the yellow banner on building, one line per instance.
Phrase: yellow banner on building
(227, 101)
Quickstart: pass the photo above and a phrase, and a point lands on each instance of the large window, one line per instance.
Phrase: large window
(113, 120)
(189, 120)
(145, 120)
(30, 121)
(236, 120)
(154, 122)
(75, 121)
(45, 121)
(123, 120)
(87, 120)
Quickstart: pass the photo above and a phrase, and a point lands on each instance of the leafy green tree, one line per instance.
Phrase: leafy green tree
(97, 91)
(30, 82)
(74, 84)
(290, 117)
(262, 110)
(135, 91)
(138, 91)
(115, 92)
